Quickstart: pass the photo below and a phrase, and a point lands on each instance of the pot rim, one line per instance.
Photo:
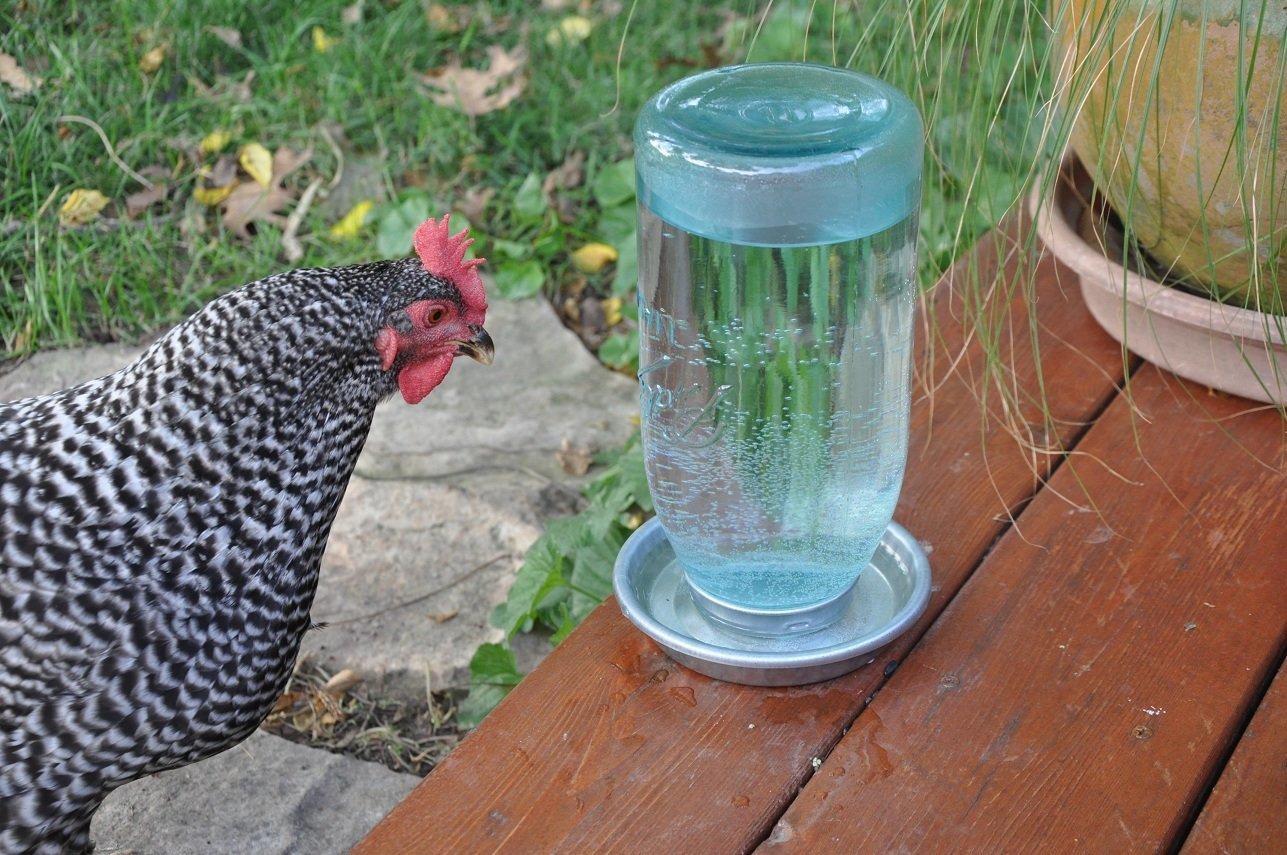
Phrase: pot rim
(1054, 214)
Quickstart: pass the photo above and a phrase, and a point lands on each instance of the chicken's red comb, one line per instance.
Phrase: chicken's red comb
(443, 255)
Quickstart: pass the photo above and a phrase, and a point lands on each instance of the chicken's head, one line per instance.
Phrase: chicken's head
(421, 339)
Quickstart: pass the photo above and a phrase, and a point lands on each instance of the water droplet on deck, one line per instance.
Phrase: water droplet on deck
(685, 694)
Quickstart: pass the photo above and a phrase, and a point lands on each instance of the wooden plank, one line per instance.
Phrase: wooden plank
(1081, 691)
(609, 744)
(1247, 812)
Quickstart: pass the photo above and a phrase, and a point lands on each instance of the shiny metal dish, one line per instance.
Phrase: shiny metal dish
(890, 595)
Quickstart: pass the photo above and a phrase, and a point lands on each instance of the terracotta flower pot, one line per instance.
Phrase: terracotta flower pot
(1228, 348)
(1197, 173)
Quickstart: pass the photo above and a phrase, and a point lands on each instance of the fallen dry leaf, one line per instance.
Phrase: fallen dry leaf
(228, 35)
(442, 18)
(22, 339)
(475, 92)
(592, 321)
(249, 203)
(216, 182)
(285, 701)
(593, 257)
(572, 29)
(211, 196)
(151, 61)
(576, 28)
(224, 172)
(442, 617)
(567, 175)
(473, 204)
(352, 14)
(322, 42)
(215, 141)
(137, 203)
(257, 161)
(15, 76)
(342, 681)
(225, 87)
(351, 223)
(81, 206)
(313, 712)
(571, 309)
(611, 310)
(575, 461)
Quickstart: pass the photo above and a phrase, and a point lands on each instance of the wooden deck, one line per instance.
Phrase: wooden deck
(1095, 671)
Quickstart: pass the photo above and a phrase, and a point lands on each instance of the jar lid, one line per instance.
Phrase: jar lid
(780, 154)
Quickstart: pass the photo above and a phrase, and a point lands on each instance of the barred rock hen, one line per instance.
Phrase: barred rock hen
(161, 527)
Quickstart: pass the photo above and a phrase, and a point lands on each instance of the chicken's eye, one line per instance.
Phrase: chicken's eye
(435, 315)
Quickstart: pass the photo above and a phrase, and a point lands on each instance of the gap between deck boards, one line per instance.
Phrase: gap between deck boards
(1014, 518)
(1200, 804)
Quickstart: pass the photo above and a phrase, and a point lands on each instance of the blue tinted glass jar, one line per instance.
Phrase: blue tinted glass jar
(778, 209)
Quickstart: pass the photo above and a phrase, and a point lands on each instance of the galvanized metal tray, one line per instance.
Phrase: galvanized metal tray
(891, 593)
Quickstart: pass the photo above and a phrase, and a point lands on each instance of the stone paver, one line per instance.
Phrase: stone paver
(266, 796)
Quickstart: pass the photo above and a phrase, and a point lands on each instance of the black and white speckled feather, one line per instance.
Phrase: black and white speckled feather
(160, 535)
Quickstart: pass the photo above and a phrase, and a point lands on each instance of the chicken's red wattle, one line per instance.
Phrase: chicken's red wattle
(419, 379)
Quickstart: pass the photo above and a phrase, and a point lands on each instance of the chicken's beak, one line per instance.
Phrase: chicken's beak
(478, 345)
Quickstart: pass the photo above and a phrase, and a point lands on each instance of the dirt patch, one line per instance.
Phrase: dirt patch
(341, 713)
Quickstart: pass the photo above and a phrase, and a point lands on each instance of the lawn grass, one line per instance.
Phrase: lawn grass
(363, 112)
(121, 277)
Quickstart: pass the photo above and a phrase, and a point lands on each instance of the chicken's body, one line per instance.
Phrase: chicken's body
(161, 531)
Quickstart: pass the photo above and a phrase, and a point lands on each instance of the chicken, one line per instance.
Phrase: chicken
(161, 528)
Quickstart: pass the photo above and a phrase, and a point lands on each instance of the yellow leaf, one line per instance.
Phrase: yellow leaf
(249, 203)
(572, 29)
(215, 141)
(81, 206)
(212, 195)
(575, 28)
(322, 42)
(611, 311)
(152, 60)
(593, 257)
(258, 163)
(351, 223)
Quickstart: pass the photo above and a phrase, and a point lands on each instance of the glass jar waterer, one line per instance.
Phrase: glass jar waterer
(778, 208)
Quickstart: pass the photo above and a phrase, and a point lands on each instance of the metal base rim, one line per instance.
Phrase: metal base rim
(771, 622)
(891, 593)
